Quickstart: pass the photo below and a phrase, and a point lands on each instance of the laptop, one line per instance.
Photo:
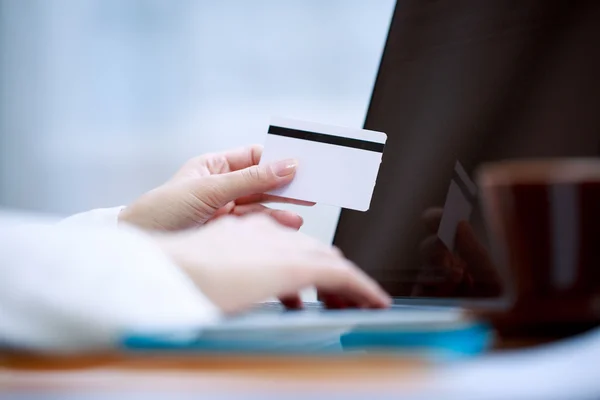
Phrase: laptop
(460, 84)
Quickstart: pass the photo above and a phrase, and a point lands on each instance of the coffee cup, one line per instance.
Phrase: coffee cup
(543, 220)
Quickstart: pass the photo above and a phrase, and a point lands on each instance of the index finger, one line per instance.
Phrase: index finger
(351, 283)
(243, 157)
(268, 198)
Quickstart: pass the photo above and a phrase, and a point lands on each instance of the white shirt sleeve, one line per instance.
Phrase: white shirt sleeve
(76, 286)
(97, 217)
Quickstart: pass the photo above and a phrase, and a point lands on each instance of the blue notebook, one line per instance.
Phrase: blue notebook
(439, 334)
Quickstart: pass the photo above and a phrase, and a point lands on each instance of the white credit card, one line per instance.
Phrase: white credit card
(336, 165)
(459, 205)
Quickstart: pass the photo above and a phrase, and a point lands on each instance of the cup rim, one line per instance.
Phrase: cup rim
(539, 170)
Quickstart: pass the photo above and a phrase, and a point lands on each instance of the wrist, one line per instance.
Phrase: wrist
(123, 217)
(165, 244)
(170, 245)
(129, 217)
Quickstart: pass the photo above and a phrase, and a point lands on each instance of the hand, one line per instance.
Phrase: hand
(213, 185)
(238, 262)
(468, 271)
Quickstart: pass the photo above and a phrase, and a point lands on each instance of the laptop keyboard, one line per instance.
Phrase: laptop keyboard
(314, 306)
(271, 306)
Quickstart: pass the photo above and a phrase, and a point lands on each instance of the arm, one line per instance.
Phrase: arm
(70, 287)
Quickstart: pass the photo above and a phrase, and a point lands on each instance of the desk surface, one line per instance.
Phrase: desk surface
(25, 372)
(248, 374)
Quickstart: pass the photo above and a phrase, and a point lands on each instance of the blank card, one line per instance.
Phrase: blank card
(336, 165)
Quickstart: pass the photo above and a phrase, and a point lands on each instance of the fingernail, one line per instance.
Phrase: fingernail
(284, 168)
(386, 300)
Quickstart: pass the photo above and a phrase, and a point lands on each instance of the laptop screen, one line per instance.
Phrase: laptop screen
(460, 84)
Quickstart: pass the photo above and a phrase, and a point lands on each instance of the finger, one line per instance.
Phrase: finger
(220, 163)
(267, 198)
(243, 157)
(339, 301)
(337, 251)
(432, 218)
(225, 210)
(293, 302)
(345, 279)
(283, 217)
(334, 302)
(252, 180)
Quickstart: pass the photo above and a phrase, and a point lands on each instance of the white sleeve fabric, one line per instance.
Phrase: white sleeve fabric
(81, 287)
(97, 217)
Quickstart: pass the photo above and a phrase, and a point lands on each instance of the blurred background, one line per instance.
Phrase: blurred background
(102, 100)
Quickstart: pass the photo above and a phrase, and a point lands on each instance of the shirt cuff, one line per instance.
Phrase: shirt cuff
(97, 217)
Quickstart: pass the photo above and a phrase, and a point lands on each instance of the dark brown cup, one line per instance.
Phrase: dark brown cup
(543, 218)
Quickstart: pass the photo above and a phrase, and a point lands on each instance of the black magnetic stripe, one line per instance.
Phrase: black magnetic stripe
(324, 138)
(463, 188)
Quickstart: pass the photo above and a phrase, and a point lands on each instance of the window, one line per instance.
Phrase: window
(102, 100)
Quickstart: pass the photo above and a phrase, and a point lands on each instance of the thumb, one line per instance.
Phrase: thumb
(255, 179)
